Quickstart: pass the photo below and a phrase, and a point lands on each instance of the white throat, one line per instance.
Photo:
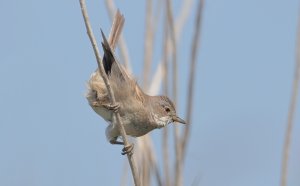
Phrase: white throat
(161, 121)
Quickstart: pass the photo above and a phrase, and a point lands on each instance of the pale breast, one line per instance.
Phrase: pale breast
(104, 113)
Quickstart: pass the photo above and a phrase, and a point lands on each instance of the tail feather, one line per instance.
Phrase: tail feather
(108, 58)
(109, 46)
(116, 29)
(111, 66)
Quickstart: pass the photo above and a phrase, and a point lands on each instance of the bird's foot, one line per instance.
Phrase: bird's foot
(115, 107)
(128, 149)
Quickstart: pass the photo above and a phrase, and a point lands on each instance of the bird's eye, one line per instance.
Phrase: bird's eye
(167, 109)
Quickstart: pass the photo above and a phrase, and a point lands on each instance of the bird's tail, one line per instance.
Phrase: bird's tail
(110, 45)
(116, 29)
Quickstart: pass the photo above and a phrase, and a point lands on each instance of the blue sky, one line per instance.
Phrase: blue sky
(50, 136)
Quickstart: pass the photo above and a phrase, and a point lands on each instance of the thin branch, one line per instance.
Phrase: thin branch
(157, 14)
(140, 156)
(146, 168)
(109, 90)
(149, 157)
(178, 172)
(146, 157)
(291, 115)
(155, 169)
(180, 21)
(156, 80)
(157, 174)
(148, 47)
(194, 55)
(184, 14)
(174, 48)
(150, 153)
(165, 146)
(143, 158)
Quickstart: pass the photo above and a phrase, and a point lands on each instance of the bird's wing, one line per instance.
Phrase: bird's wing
(111, 66)
(118, 76)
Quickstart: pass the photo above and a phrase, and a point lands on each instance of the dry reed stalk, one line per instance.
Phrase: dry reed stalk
(157, 174)
(149, 157)
(157, 15)
(150, 154)
(158, 75)
(194, 55)
(110, 6)
(151, 24)
(178, 172)
(109, 90)
(291, 114)
(156, 80)
(184, 14)
(148, 161)
(154, 167)
(144, 158)
(179, 23)
(145, 168)
(148, 47)
(165, 146)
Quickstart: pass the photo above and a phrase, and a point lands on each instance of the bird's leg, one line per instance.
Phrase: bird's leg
(115, 107)
(114, 141)
(126, 150)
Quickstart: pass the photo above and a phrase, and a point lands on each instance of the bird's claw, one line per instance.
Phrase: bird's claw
(127, 149)
(115, 107)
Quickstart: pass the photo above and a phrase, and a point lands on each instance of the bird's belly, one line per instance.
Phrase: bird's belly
(104, 113)
(138, 129)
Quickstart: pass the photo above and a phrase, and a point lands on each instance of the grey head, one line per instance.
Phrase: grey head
(165, 111)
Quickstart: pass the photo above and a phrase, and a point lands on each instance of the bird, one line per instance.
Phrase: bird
(139, 112)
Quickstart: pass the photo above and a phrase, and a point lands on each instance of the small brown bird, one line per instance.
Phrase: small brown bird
(139, 112)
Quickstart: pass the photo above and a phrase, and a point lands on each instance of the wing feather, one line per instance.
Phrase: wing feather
(118, 76)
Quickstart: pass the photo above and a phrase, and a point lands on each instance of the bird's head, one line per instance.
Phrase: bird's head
(166, 112)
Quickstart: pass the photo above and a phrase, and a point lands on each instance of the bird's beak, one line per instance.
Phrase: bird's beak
(178, 119)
